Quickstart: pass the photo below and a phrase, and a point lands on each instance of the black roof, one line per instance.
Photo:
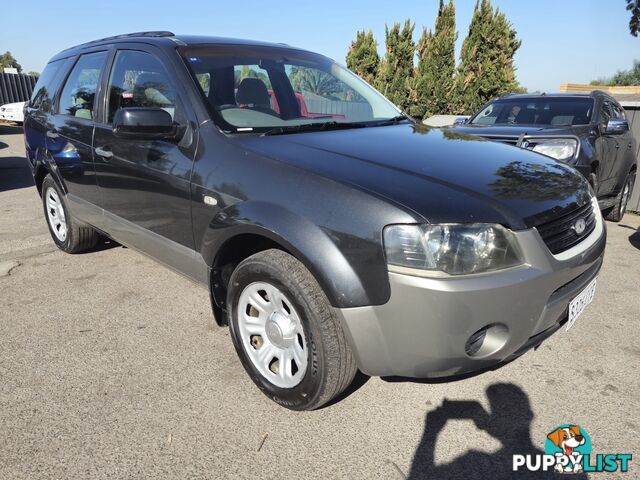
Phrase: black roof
(591, 94)
(165, 38)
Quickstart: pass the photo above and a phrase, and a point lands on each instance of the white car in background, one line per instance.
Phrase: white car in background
(12, 112)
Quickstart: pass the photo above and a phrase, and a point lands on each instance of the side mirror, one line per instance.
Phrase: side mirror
(144, 124)
(460, 121)
(616, 126)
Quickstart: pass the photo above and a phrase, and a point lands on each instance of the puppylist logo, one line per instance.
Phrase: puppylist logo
(568, 450)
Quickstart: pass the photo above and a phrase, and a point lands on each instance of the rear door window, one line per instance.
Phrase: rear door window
(78, 95)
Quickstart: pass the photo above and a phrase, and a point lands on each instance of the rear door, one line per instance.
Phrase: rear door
(69, 132)
(145, 184)
(607, 149)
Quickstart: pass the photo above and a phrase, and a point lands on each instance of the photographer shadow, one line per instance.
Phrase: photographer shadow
(508, 421)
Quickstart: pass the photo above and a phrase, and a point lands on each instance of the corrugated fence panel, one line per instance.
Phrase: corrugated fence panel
(351, 110)
(634, 119)
(16, 87)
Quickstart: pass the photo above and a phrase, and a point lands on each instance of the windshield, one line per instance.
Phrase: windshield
(258, 89)
(536, 111)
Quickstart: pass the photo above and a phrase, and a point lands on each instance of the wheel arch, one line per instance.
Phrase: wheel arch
(38, 177)
(43, 167)
(255, 226)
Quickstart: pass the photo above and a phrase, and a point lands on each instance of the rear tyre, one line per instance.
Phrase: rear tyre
(286, 333)
(616, 213)
(68, 234)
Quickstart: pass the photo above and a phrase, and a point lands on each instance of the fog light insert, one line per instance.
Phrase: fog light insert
(487, 341)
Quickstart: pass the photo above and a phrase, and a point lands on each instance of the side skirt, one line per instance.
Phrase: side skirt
(177, 257)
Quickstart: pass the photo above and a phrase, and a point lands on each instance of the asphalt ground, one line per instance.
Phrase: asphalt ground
(111, 367)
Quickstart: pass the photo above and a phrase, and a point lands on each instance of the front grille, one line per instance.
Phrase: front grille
(509, 140)
(559, 234)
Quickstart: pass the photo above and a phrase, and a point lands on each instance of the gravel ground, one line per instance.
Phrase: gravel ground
(111, 367)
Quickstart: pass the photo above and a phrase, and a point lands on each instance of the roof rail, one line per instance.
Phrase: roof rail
(159, 33)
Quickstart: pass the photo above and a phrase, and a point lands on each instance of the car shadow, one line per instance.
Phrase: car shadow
(104, 243)
(14, 173)
(634, 239)
(508, 421)
(623, 225)
(10, 129)
(358, 381)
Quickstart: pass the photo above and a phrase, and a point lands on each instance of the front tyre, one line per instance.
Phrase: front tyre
(67, 233)
(286, 333)
(616, 213)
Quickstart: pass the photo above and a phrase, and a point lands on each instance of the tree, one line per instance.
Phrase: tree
(434, 76)
(486, 67)
(420, 88)
(634, 24)
(314, 81)
(7, 61)
(363, 58)
(622, 77)
(396, 69)
(248, 72)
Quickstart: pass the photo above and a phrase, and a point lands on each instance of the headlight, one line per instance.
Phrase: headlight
(453, 249)
(558, 148)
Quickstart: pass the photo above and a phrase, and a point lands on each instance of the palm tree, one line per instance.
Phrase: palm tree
(314, 81)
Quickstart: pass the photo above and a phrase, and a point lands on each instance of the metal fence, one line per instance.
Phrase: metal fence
(351, 110)
(16, 87)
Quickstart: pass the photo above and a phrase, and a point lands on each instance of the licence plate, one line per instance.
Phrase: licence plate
(580, 302)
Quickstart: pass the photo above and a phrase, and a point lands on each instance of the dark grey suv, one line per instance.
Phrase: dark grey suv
(331, 232)
(587, 131)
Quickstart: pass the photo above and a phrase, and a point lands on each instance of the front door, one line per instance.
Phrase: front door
(145, 184)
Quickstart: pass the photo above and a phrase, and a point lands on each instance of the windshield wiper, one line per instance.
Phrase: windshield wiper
(394, 120)
(313, 127)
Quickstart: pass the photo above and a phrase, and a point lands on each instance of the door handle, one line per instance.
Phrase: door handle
(52, 134)
(104, 153)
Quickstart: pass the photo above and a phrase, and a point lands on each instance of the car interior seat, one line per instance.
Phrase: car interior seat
(253, 93)
(150, 91)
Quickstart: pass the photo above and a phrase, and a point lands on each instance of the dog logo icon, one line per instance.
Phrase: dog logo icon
(568, 442)
(568, 449)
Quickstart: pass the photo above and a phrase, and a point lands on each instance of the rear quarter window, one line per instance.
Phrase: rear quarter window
(43, 92)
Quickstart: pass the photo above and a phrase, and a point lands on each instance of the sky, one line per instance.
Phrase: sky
(563, 41)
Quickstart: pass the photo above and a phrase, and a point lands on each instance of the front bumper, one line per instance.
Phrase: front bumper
(11, 116)
(423, 329)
